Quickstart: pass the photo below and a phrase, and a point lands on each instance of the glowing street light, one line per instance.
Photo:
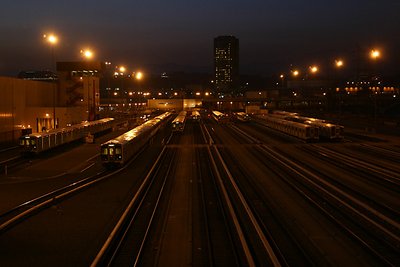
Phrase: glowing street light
(282, 77)
(313, 69)
(375, 54)
(52, 40)
(122, 69)
(86, 53)
(339, 63)
(138, 75)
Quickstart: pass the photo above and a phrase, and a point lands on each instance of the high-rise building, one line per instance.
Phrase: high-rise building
(226, 63)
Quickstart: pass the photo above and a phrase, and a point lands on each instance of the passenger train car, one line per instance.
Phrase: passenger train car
(118, 151)
(220, 117)
(178, 124)
(326, 130)
(38, 142)
(195, 115)
(284, 113)
(242, 116)
(308, 133)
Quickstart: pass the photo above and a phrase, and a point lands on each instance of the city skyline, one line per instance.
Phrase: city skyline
(156, 36)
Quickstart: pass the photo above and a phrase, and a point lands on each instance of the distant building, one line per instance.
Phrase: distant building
(79, 85)
(42, 100)
(226, 64)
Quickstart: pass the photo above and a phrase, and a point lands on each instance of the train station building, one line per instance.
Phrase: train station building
(32, 103)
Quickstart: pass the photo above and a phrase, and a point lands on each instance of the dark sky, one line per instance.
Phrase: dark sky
(156, 35)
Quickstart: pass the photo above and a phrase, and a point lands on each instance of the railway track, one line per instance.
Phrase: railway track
(373, 229)
(256, 246)
(231, 214)
(138, 237)
(125, 244)
(61, 210)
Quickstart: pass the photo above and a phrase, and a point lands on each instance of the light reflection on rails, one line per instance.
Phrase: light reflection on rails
(364, 212)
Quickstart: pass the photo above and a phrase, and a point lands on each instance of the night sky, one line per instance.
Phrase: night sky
(173, 35)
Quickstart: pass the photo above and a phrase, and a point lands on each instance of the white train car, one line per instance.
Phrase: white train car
(242, 116)
(195, 115)
(178, 124)
(284, 113)
(326, 130)
(118, 151)
(220, 117)
(302, 131)
(39, 142)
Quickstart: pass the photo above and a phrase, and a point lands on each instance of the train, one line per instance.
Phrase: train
(178, 124)
(242, 116)
(220, 117)
(305, 132)
(36, 143)
(327, 130)
(195, 115)
(118, 151)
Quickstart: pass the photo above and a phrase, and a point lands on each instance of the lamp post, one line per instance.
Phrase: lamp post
(108, 89)
(339, 63)
(138, 76)
(122, 70)
(52, 40)
(88, 54)
(375, 54)
(282, 76)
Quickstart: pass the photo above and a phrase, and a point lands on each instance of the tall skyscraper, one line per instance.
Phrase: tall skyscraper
(226, 63)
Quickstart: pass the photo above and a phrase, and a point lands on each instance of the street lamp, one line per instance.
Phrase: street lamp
(52, 40)
(313, 69)
(122, 70)
(86, 53)
(282, 76)
(339, 63)
(138, 75)
(374, 54)
(120, 74)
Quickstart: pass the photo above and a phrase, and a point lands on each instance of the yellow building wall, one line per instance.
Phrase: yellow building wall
(24, 103)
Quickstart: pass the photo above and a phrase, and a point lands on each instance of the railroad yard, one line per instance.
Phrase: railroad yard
(214, 194)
